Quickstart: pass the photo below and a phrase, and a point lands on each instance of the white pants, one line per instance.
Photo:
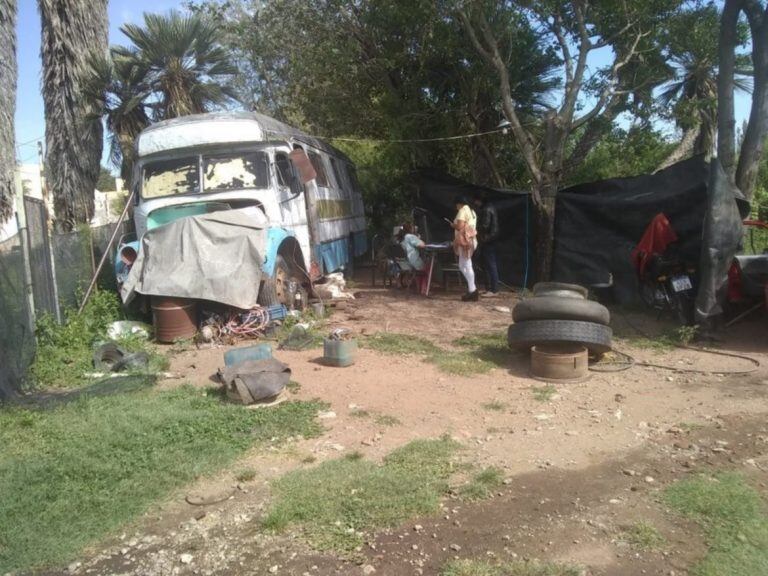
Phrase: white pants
(465, 267)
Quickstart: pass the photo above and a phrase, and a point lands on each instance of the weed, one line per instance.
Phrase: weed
(356, 455)
(72, 474)
(387, 420)
(337, 501)
(689, 426)
(309, 459)
(643, 536)
(687, 334)
(733, 517)
(543, 393)
(357, 413)
(518, 568)
(391, 343)
(459, 363)
(65, 351)
(246, 475)
(482, 484)
(490, 339)
(293, 387)
(662, 343)
(493, 430)
(494, 406)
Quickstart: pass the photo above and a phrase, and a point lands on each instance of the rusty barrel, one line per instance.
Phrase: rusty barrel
(174, 318)
(559, 362)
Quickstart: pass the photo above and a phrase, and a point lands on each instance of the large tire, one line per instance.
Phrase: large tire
(596, 337)
(556, 308)
(560, 289)
(268, 293)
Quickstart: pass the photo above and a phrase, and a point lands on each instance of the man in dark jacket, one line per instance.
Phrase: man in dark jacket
(487, 236)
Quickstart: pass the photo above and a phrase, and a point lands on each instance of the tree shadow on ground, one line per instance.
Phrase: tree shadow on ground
(49, 399)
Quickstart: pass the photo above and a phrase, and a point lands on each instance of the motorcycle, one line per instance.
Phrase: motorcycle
(667, 285)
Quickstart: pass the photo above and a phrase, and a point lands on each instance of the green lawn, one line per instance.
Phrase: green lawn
(72, 474)
(734, 520)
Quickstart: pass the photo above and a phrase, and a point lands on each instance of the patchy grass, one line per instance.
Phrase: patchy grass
(309, 459)
(479, 360)
(482, 484)
(690, 426)
(72, 474)
(734, 520)
(491, 347)
(392, 343)
(643, 536)
(246, 475)
(387, 420)
(518, 568)
(338, 501)
(543, 393)
(293, 387)
(494, 406)
(358, 413)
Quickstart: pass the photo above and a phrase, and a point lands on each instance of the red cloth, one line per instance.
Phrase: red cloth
(657, 236)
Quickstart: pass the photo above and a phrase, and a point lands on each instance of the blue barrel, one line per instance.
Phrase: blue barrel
(256, 352)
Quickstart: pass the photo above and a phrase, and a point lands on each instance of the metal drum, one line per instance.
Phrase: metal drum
(174, 318)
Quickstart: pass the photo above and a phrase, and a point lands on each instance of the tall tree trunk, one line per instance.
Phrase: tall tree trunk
(685, 149)
(7, 106)
(71, 30)
(757, 127)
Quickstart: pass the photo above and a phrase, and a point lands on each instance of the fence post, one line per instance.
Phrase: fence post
(29, 298)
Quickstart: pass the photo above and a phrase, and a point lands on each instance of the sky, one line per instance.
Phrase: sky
(30, 121)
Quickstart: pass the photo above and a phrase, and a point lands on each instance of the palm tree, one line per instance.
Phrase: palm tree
(117, 89)
(691, 94)
(7, 105)
(71, 30)
(185, 65)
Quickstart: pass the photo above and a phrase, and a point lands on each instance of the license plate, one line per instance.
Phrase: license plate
(681, 283)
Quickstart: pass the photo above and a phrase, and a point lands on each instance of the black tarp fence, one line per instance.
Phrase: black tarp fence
(596, 224)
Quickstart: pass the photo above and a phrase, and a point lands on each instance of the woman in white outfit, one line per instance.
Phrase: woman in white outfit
(465, 243)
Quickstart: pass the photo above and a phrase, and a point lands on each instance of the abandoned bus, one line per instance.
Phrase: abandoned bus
(307, 190)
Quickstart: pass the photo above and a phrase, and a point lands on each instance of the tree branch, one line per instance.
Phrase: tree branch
(490, 52)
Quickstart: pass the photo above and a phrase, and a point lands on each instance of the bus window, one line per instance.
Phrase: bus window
(337, 174)
(317, 164)
(283, 169)
(170, 177)
(236, 171)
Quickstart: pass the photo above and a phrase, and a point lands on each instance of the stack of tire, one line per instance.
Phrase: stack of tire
(561, 314)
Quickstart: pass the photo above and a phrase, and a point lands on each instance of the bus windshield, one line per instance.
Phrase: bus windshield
(221, 172)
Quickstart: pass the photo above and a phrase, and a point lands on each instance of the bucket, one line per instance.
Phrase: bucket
(256, 352)
(339, 353)
(559, 362)
(174, 318)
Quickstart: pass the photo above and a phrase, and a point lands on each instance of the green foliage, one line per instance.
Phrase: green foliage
(65, 351)
(643, 536)
(73, 474)
(494, 406)
(106, 182)
(517, 568)
(733, 517)
(336, 502)
(399, 344)
(482, 484)
(623, 153)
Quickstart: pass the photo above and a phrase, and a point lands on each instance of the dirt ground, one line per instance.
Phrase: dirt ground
(579, 467)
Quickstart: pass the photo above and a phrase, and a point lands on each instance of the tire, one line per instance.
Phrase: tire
(560, 289)
(276, 289)
(596, 337)
(557, 308)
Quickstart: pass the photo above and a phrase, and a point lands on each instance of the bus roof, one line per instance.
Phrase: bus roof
(223, 128)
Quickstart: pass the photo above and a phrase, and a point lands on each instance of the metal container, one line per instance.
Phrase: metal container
(559, 362)
(174, 318)
(255, 352)
(339, 353)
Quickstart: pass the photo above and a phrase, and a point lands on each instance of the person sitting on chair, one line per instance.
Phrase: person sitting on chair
(412, 244)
